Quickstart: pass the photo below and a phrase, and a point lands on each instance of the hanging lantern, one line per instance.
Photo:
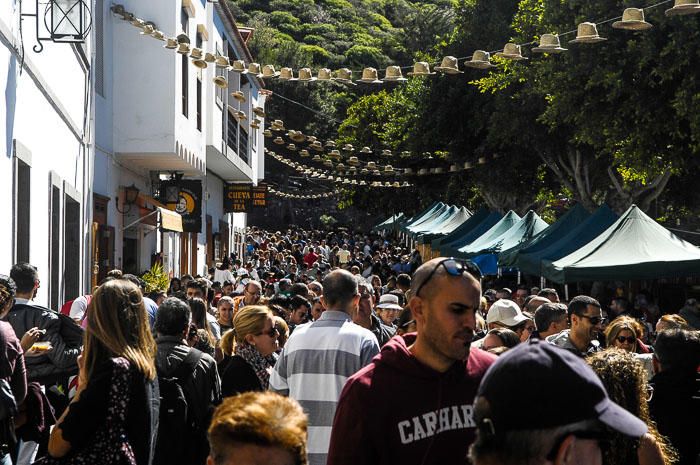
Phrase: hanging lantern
(66, 21)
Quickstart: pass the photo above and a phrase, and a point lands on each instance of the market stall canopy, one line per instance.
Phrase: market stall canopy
(420, 217)
(435, 222)
(490, 226)
(418, 224)
(487, 257)
(634, 247)
(492, 241)
(481, 217)
(389, 223)
(560, 228)
(599, 221)
(447, 226)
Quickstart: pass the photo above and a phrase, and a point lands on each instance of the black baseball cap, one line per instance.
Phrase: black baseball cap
(560, 386)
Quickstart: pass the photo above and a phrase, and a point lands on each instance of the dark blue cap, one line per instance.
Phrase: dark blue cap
(560, 386)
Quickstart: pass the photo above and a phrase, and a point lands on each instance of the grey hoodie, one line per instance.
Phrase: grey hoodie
(563, 340)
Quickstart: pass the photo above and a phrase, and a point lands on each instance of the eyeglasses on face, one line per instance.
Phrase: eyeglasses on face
(454, 267)
(272, 332)
(595, 320)
(628, 339)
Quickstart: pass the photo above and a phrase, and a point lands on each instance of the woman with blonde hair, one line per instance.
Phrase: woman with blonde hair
(623, 333)
(249, 350)
(624, 379)
(114, 414)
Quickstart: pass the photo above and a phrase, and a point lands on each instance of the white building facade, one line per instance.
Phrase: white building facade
(45, 166)
(165, 131)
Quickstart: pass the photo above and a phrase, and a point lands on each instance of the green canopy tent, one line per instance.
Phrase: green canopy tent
(485, 253)
(389, 223)
(599, 221)
(572, 218)
(447, 226)
(503, 225)
(472, 229)
(634, 247)
(425, 215)
(433, 223)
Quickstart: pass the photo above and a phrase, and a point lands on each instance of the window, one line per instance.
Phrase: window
(184, 21)
(99, 48)
(243, 146)
(199, 104)
(55, 248)
(22, 195)
(198, 41)
(232, 132)
(185, 85)
(71, 247)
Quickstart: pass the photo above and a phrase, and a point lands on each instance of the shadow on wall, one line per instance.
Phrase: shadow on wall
(10, 102)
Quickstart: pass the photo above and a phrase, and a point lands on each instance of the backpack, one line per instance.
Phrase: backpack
(178, 431)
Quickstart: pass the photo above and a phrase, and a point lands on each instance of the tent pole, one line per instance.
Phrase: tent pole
(543, 282)
(566, 292)
(519, 278)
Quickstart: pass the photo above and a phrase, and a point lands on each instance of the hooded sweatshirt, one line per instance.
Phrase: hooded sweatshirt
(398, 410)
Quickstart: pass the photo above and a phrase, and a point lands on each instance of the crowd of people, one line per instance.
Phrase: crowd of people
(332, 347)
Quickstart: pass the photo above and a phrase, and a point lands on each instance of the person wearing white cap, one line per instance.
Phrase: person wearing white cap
(505, 313)
(388, 309)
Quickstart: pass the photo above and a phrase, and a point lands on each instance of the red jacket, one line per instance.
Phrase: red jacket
(398, 410)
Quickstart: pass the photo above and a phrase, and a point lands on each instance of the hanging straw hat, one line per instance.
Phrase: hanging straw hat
(439, 170)
(408, 171)
(255, 124)
(684, 7)
(182, 39)
(267, 133)
(420, 68)
(317, 146)
(305, 75)
(369, 76)
(480, 60)
(587, 34)
(482, 160)
(287, 74)
(220, 82)
(269, 72)
(422, 171)
(454, 168)
(340, 167)
(158, 35)
(388, 169)
(330, 143)
(353, 161)
(183, 48)
(296, 136)
(316, 157)
(238, 95)
(291, 147)
(237, 66)
(366, 150)
(278, 140)
(259, 111)
(240, 115)
(511, 51)
(278, 125)
(209, 57)
(171, 43)
(344, 75)
(449, 66)
(467, 165)
(393, 74)
(254, 69)
(304, 153)
(632, 20)
(334, 154)
(147, 29)
(386, 153)
(198, 58)
(371, 165)
(549, 43)
(138, 22)
(328, 163)
(221, 62)
(324, 74)
(348, 148)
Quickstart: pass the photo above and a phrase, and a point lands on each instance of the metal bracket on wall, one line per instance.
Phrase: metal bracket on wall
(67, 21)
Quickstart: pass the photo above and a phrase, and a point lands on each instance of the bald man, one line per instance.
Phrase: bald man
(438, 373)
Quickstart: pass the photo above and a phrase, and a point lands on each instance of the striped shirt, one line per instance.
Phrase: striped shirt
(315, 363)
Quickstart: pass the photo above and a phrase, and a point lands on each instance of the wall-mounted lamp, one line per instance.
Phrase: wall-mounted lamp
(67, 21)
(131, 193)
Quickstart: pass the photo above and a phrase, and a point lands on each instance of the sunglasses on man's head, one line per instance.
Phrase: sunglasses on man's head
(454, 267)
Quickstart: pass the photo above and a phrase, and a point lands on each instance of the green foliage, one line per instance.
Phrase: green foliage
(156, 279)
(327, 220)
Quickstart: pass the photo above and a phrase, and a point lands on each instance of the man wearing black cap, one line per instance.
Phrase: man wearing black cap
(563, 431)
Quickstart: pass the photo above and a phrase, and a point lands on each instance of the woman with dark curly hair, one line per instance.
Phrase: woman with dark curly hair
(624, 378)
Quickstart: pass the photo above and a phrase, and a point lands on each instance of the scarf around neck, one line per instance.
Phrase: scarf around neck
(261, 365)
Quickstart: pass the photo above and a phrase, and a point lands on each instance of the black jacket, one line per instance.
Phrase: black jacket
(381, 331)
(204, 385)
(61, 360)
(675, 407)
(237, 376)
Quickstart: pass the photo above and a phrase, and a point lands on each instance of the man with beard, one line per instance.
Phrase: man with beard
(586, 321)
(430, 418)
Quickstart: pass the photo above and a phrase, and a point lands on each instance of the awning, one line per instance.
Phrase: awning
(170, 220)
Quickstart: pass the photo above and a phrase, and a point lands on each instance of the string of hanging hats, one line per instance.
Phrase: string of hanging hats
(340, 178)
(632, 19)
(276, 192)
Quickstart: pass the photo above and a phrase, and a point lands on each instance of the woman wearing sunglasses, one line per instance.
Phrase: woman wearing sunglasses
(622, 333)
(248, 351)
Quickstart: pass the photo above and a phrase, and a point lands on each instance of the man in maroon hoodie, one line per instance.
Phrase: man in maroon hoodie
(413, 404)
